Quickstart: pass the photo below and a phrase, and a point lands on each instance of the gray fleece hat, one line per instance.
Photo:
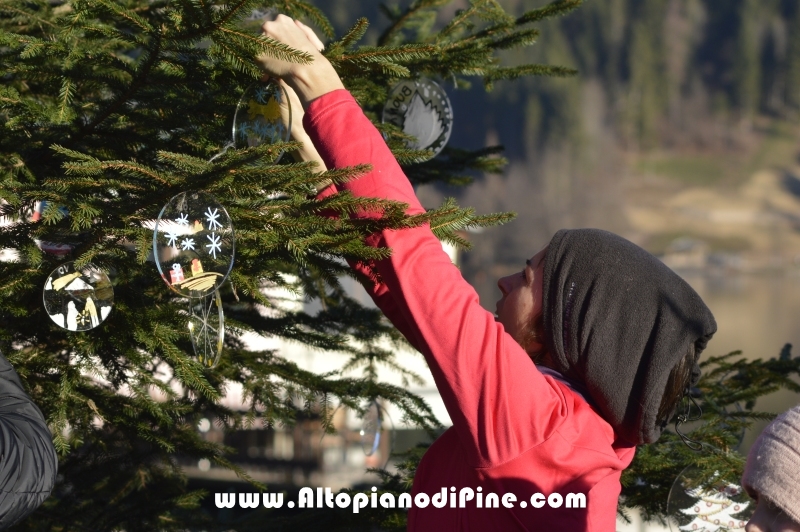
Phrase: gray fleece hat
(773, 464)
(618, 320)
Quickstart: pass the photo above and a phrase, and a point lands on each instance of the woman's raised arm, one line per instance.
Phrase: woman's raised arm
(489, 385)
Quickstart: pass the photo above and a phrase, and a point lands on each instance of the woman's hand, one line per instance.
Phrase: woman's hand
(308, 152)
(310, 80)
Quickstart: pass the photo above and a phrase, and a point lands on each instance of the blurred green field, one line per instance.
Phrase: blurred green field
(776, 145)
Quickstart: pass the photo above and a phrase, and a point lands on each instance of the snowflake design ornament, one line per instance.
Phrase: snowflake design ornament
(422, 110)
(184, 224)
(714, 505)
(215, 245)
(212, 219)
(172, 238)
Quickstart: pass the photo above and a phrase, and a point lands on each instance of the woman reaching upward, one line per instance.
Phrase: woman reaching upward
(594, 342)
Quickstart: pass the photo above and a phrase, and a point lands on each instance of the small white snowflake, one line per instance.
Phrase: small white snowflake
(183, 219)
(187, 244)
(211, 217)
(215, 245)
(172, 239)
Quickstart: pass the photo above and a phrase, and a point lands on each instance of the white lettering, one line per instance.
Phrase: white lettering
(466, 494)
(305, 499)
(359, 501)
(555, 500)
(537, 500)
(404, 501)
(492, 498)
(343, 500)
(421, 500)
(459, 498)
(225, 500)
(440, 499)
(576, 500)
(328, 498)
(248, 500)
(509, 499)
(275, 500)
(387, 500)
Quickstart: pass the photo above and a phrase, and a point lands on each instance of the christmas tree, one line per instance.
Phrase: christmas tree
(723, 408)
(713, 510)
(109, 109)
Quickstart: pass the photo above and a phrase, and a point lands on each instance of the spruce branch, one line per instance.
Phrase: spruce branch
(399, 21)
(553, 9)
(300, 9)
(349, 39)
(507, 73)
(126, 14)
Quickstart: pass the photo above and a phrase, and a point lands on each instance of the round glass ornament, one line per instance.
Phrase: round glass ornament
(193, 244)
(207, 328)
(373, 431)
(710, 505)
(421, 109)
(78, 299)
(263, 115)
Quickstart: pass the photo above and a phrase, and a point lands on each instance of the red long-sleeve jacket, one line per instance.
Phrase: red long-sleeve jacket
(515, 430)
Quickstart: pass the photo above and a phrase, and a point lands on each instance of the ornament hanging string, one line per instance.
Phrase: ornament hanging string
(687, 400)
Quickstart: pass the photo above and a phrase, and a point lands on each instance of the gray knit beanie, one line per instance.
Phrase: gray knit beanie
(773, 465)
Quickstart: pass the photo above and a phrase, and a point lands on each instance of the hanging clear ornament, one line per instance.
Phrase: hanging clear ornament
(707, 504)
(373, 432)
(207, 328)
(263, 115)
(422, 110)
(78, 298)
(193, 244)
(376, 426)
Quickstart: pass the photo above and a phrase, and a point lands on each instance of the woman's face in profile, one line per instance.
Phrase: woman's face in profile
(522, 300)
(770, 518)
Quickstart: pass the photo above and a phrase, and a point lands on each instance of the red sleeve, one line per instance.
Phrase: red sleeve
(500, 404)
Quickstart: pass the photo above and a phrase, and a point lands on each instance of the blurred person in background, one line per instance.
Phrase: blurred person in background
(772, 476)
